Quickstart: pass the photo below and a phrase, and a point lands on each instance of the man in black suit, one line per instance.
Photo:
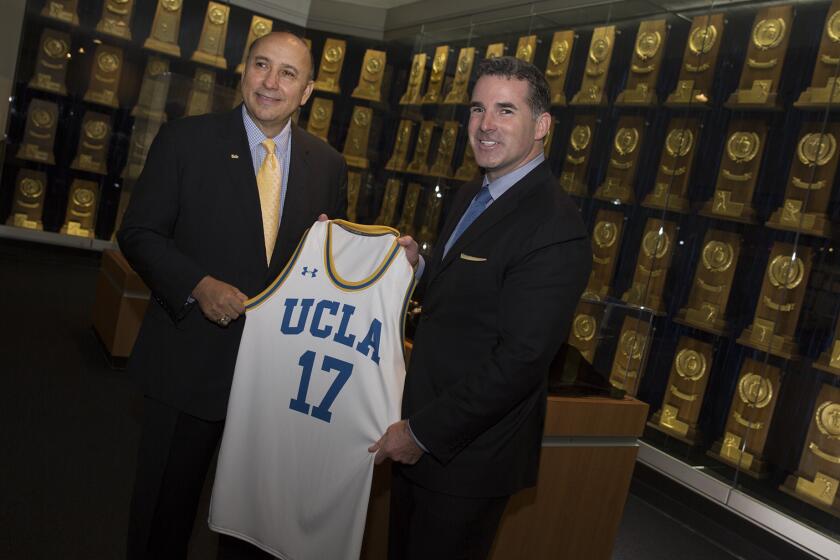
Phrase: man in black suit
(500, 293)
(198, 234)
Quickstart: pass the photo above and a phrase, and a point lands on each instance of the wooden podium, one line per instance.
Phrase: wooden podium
(588, 455)
(121, 301)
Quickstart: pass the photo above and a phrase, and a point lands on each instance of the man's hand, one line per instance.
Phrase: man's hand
(397, 444)
(323, 218)
(221, 303)
(412, 250)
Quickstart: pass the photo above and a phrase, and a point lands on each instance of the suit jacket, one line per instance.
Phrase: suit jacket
(496, 309)
(195, 211)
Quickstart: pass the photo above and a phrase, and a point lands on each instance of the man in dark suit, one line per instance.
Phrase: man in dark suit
(500, 293)
(219, 208)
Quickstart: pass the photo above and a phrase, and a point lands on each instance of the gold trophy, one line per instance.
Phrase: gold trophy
(686, 388)
(738, 172)
(829, 361)
(435, 86)
(558, 65)
(495, 50)
(419, 163)
(370, 80)
(621, 169)
(81, 209)
(28, 205)
(458, 93)
(699, 62)
(415, 81)
(774, 326)
(606, 241)
(200, 98)
(818, 476)
(670, 191)
(446, 146)
(319, 118)
(824, 90)
(354, 186)
(142, 133)
(151, 103)
(400, 154)
(585, 327)
(469, 168)
(356, 144)
(39, 135)
(748, 423)
(597, 68)
(409, 210)
(388, 208)
(758, 88)
(652, 264)
(260, 27)
(167, 22)
(576, 164)
(630, 354)
(211, 46)
(105, 76)
(712, 284)
(809, 186)
(51, 65)
(645, 65)
(62, 10)
(116, 18)
(526, 47)
(329, 70)
(92, 153)
(427, 235)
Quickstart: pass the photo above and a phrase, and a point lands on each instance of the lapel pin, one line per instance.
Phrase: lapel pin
(234, 156)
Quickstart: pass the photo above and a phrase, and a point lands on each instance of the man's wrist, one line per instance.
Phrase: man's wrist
(414, 437)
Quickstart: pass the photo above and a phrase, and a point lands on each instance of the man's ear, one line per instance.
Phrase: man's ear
(543, 126)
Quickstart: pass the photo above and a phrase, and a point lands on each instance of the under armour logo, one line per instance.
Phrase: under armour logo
(306, 271)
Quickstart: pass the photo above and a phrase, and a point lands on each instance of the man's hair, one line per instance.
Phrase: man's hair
(296, 36)
(539, 93)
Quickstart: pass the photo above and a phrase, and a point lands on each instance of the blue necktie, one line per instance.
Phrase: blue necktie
(476, 207)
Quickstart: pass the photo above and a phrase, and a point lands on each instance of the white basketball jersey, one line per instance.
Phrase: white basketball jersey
(319, 378)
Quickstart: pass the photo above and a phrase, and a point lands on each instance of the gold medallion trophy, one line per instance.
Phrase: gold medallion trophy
(621, 169)
(576, 164)
(558, 65)
(758, 88)
(712, 283)
(92, 153)
(630, 354)
(399, 156)
(780, 301)
(738, 172)
(818, 476)
(585, 327)
(748, 422)
(62, 10)
(606, 242)
(435, 86)
(427, 235)
(645, 65)
(686, 388)
(442, 167)
(211, 45)
(200, 97)
(388, 208)
(409, 210)
(39, 134)
(28, 205)
(320, 116)
(105, 76)
(597, 67)
(370, 80)
(824, 90)
(419, 163)
(469, 168)
(260, 27)
(51, 64)
(154, 89)
(526, 47)
(142, 133)
(415, 81)
(699, 62)
(652, 265)
(495, 50)
(329, 71)
(670, 190)
(354, 187)
(356, 144)
(829, 361)
(167, 22)
(458, 94)
(809, 186)
(116, 18)
(81, 209)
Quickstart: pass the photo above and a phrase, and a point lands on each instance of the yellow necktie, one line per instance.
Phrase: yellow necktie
(269, 181)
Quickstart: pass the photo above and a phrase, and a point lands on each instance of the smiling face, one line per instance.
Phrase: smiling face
(504, 133)
(276, 81)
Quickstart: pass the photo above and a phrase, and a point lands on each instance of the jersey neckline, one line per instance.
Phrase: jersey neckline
(361, 229)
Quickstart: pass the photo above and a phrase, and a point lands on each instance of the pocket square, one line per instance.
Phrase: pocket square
(471, 258)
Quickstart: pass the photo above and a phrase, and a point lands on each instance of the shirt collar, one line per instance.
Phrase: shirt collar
(256, 136)
(500, 185)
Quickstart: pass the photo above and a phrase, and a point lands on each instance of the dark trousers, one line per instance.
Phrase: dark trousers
(425, 524)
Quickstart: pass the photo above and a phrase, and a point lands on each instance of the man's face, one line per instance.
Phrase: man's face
(276, 81)
(503, 132)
